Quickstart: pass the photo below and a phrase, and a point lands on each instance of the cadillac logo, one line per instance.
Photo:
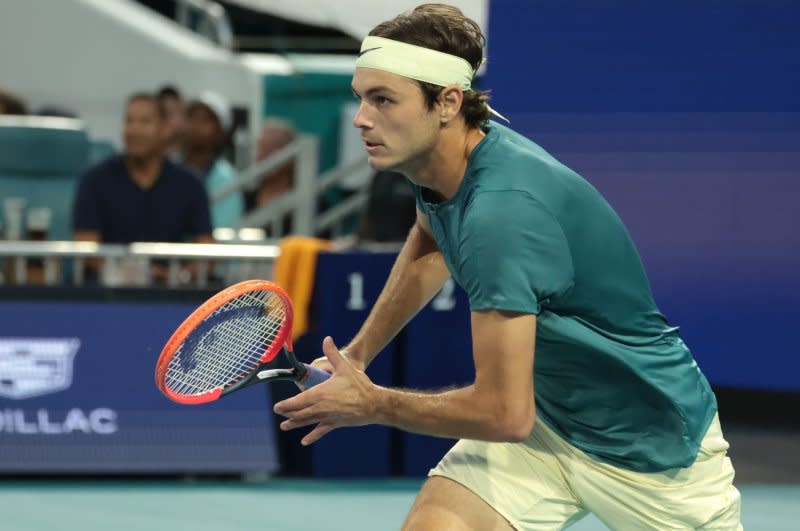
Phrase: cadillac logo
(35, 366)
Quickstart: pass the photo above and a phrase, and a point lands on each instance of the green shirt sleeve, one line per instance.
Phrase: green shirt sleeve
(421, 205)
(513, 254)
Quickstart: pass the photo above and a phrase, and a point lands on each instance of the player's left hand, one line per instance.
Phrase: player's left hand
(346, 399)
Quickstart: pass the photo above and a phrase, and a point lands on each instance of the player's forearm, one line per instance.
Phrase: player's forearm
(457, 413)
(417, 275)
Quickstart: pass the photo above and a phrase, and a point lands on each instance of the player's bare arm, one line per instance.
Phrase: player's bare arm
(497, 406)
(417, 275)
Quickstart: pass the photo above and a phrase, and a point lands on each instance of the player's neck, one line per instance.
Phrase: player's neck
(446, 165)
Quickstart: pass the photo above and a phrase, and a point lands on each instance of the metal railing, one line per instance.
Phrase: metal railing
(213, 22)
(179, 264)
(302, 200)
(332, 219)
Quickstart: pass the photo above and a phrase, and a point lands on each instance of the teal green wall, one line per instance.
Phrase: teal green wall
(312, 103)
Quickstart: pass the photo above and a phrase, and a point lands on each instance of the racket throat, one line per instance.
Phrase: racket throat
(277, 374)
(299, 373)
(296, 372)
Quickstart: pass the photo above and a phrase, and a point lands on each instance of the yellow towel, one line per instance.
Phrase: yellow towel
(294, 272)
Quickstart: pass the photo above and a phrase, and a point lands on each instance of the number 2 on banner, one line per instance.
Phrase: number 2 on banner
(356, 301)
(445, 300)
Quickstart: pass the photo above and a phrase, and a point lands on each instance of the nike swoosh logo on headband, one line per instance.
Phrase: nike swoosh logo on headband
(370, 50)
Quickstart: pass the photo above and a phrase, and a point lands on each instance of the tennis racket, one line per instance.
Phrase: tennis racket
(230, 342)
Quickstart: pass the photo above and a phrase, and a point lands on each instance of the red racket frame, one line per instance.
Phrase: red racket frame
(283, 337)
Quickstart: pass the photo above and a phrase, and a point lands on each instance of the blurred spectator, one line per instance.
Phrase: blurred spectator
(391, 209)
(275, 135)
(11, 103)
(208, 122)
(172, 103)
(141, 195)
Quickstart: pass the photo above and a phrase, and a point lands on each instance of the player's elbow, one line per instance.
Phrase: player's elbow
(516, 424)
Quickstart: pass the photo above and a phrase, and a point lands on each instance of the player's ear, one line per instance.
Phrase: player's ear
(449, 100)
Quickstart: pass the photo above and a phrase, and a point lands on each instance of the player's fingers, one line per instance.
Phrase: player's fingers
(294, 422)
(285, 407)
(299, 402)
(317, 433)
(314, 413)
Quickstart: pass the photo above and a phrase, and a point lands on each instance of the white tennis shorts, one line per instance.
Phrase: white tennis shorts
(546, 483)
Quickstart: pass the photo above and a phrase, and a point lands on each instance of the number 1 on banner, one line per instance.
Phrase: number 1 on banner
(356, 301)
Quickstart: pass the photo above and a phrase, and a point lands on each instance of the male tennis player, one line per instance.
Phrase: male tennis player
(616, 419)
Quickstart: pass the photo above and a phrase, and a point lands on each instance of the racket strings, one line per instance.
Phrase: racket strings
(228, 345)
(229, 367)
(249, 334)
(238, 341)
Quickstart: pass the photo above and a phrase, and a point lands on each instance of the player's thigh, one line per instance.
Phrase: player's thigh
(443, 504)
(510, 485)
(701, 496)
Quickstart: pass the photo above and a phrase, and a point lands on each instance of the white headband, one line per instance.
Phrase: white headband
(417, 62)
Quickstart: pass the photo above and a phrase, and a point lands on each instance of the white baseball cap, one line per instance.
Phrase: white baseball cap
(218, 105)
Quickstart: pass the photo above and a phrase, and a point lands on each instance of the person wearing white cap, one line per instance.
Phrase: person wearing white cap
(208, 122)
(615, 417)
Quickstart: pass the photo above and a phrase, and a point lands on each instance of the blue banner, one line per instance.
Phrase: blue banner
(725, 317)
(346, 287)
(727, 321)
(77, 394)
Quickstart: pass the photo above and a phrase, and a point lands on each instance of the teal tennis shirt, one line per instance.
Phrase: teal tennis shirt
(524, 233)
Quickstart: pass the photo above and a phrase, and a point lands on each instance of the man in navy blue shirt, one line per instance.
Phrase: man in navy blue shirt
(141, 195)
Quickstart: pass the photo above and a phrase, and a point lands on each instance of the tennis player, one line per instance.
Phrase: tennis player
(616, 418)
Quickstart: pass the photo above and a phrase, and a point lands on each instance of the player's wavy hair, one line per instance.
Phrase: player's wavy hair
(446, 29)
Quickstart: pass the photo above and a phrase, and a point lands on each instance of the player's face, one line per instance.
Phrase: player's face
(144, 128)
(398, 130)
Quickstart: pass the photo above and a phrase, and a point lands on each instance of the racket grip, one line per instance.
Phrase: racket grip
(312, 377)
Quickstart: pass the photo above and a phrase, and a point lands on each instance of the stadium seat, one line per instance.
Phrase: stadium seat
(99, 150)
(40, 161)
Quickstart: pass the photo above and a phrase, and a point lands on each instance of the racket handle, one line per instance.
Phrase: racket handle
(312, 377)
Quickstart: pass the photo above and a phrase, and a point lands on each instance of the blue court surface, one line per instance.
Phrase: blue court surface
(278, 504)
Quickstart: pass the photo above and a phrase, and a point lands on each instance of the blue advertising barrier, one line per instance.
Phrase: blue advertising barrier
(346, 287)
(77, 395)
(725, 318)
(434, 350)
(438, 354)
